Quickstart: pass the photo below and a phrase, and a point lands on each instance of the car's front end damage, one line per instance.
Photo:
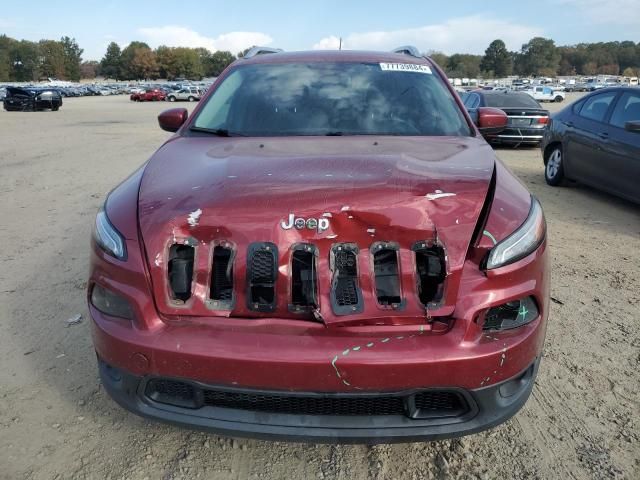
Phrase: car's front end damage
(372, 289)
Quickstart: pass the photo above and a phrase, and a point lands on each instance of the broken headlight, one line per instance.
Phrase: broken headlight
(521, 242)
(511, 314)
(108, 238)
(110, 303)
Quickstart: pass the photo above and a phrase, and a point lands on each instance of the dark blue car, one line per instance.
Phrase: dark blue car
(596, 141)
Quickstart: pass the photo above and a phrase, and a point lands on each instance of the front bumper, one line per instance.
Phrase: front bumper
(487, 407)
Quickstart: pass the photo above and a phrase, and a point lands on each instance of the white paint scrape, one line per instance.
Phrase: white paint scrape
(438, 194)
(194, 217)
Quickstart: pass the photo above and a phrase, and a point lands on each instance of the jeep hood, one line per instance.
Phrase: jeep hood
(203, 190)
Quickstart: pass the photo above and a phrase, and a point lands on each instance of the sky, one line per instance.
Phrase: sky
(447, 26)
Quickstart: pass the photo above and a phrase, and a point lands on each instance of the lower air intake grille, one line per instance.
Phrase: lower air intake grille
(429, 404)
(306, 405)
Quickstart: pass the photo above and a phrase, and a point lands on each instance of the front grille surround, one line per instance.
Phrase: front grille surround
(447, 403)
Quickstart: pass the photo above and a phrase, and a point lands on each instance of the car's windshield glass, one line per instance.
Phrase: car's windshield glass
(332, 99)
(511, 100)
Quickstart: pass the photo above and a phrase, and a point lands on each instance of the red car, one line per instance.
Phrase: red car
(151, 95)
(326, 250)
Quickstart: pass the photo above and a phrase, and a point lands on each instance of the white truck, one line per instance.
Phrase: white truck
(545, 94)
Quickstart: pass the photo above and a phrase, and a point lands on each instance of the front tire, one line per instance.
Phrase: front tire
(192, 99)
(554, 169)
(558, 99)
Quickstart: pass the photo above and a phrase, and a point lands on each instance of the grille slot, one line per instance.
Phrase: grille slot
(386, 273)
(431, 270)
(180, 271)
(303, 278)
(428, 403)
(262, 270)
(222, 277)
(346, 297)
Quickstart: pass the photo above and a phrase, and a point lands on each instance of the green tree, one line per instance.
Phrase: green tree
(539, 56)
(463, 65)
(7, 46)
(187, 62)
(497, 59)
(440, 58)
(218, 62)
(24, 61)
(166, 59)
(143, 65)
(72, 58)
(52, 59)
(110, 63)
(127, 71)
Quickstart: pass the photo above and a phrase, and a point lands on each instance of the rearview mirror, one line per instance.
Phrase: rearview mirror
(633, 126)
(171, 120)
(491, 120)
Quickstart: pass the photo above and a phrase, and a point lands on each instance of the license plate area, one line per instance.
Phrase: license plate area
(519, 122)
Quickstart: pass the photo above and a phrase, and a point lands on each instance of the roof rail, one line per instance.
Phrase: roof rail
(408, 50)
(261, 51)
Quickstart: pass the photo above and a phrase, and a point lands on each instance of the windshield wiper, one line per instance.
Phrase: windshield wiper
(220, 132)
(334, 134)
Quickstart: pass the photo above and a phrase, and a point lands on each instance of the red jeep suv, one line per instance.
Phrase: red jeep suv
(326, 250)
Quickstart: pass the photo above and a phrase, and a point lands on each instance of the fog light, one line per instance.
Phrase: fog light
(511, 314)
(110, 303)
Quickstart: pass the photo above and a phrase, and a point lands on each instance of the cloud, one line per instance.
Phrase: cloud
(328, 43)
(470, 34)
(177, 36)
(612, 12)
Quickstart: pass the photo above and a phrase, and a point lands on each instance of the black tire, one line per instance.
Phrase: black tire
(55, 109)
(192, 99)
(558, 99)
(554, 168)
(172, 98)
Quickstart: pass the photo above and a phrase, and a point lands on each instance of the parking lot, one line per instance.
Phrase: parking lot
(56, 421)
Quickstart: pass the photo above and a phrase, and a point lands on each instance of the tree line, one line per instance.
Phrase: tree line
(541, 57)
(138, 61)
(24, 61)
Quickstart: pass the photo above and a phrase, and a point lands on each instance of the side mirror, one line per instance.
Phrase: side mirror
(491, 120)
(633, 126)
(171, 120)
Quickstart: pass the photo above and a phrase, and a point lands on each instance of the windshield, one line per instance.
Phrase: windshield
(511, 100)
(332, 99)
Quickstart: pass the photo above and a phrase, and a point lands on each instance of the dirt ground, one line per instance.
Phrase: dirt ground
(56, 422)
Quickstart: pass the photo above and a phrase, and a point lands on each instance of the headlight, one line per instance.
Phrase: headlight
(521, 242)
(110, 303)
(511, 314)
(108, 237)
